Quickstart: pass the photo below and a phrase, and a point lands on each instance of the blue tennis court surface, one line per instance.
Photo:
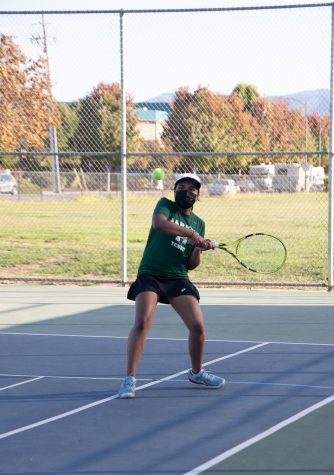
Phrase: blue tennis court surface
(60, 413)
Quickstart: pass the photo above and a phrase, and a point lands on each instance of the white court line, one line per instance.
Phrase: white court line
(167, 339)
(116, 337)
(238, 448)
(102, 401)
(68, 377)
(22, 382)
(89, 378)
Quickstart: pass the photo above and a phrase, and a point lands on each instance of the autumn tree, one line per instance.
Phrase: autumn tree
(26, 105)
(281, 129)
(99, 127)
(151, 161)
(274, 119)
(204, 121)
(319, 130)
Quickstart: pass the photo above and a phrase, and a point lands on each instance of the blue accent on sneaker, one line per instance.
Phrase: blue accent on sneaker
(128, 387)
(207, 379)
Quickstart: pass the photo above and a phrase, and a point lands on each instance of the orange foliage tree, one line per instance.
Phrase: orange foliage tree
(203, 121)
(26, 105)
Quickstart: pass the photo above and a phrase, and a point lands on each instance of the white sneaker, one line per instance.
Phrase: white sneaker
(206, 379)
(128, 388)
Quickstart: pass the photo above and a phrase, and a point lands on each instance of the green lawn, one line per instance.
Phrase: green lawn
(81, 238)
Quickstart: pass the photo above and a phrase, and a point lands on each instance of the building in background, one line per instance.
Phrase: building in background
(151, 119)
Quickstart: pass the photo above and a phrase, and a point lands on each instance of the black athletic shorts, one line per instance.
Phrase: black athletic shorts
(165, 288)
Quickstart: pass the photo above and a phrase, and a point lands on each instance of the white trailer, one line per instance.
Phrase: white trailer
(294, 177)
(262, 176)
(315, 177)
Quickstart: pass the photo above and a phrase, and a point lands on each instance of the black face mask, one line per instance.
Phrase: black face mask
(185, 199)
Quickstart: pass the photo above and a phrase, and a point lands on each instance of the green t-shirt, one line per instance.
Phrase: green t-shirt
(165, 255)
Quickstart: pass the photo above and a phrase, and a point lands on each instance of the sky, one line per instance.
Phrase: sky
(279, 51)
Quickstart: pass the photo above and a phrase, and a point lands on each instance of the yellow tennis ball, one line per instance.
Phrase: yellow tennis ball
(158, 174)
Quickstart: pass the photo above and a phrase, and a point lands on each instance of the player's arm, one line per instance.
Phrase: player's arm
(164, 226)
(194, 259)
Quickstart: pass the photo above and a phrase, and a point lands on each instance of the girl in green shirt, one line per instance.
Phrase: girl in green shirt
(174, 246)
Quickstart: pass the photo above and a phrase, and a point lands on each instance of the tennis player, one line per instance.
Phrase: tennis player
(174, 247)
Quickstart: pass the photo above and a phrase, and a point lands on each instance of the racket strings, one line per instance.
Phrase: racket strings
(261, 253)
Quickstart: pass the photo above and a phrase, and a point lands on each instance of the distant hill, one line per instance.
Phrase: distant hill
(164, 97)
(317, 100)
(314, 101)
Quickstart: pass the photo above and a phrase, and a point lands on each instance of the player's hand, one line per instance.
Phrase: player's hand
(196, 239)
(207, 245)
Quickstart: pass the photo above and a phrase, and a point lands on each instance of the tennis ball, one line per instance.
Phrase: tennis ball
(158, 174)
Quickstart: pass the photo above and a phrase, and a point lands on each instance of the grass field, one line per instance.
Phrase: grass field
(81, 237)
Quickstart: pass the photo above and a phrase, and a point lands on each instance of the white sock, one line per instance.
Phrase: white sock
(195, 374)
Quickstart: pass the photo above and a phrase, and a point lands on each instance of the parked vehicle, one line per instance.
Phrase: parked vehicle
(246, 185)
(8, 183)
(223, 187)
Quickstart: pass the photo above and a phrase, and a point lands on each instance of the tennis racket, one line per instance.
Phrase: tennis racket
(258, 252)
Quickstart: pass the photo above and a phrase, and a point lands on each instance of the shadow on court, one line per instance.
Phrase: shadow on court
(171, 427)
(297, 323)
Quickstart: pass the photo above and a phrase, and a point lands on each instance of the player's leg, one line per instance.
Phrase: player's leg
(146, 303)
(187, 306)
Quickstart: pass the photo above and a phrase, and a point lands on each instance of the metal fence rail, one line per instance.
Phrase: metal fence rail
(80, 143)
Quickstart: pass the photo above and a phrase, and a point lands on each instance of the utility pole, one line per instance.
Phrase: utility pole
(56, 186)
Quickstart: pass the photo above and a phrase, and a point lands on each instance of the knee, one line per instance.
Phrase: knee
(142, 324)
(197, 329)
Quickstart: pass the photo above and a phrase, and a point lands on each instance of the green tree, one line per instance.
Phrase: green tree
(69, 121)
(99, 127)
(247, 92)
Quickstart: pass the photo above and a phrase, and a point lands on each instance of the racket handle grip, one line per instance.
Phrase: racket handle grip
(215, 245)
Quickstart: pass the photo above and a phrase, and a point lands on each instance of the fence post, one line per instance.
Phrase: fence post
(330, 166)
(123, 156)
(56, 184)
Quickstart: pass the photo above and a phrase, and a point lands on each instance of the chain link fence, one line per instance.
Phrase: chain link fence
(72, 80)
